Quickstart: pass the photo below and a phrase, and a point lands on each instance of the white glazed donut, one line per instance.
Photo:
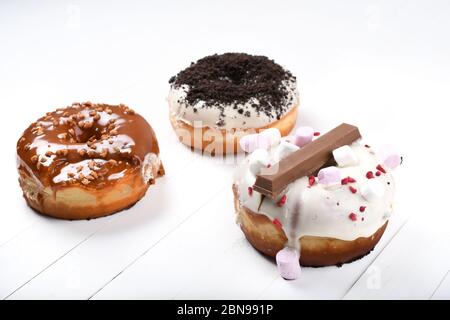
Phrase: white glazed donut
(329, 223)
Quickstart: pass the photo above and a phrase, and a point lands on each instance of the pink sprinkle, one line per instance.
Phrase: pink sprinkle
(351, 180)
(282, 201)
(380, 168)
(250, 191)
(352, 216)
(316, 134)
(352, 189)
(362, 209)
(378, 173)
(369, 175)
(312, 181)
(348, 180)
(269, 165)
(277, 223)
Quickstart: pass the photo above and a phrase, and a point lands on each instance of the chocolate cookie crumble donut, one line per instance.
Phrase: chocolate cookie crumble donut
(228, 96)
(87, 161)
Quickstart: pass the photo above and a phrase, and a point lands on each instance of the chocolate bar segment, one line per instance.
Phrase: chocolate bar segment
(306, 161)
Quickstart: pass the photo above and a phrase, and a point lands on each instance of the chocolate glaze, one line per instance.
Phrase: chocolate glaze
(89, 145)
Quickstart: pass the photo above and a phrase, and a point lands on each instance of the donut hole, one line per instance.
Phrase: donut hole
(85, 135)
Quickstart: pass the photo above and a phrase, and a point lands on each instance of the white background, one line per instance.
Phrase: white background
(382, 65)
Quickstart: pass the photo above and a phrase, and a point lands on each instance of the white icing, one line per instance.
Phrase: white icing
(117, 176)
(210, 116)
(151, 161)
(372, 190)
(314, 211)
(73, 168)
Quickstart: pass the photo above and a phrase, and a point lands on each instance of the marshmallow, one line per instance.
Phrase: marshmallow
(389, 156)
(283, 150)
(303, 136)
(271, 136)
(344, 156)
(288, 263)
(258, 159)
(249, 142)
(372, 190)
(329, 176)
(290, 139)
(265, 139)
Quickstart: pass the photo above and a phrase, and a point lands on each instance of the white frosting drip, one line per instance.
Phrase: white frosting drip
(210, 116)
(150, 164)
(320, 210)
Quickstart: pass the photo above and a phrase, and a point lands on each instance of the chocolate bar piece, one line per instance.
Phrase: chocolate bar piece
(305, 161)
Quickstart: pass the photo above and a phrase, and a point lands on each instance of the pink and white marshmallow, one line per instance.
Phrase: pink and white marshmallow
(288, 263)
(389, 156)
(345, 156)
(303, 136)
(271, 136)
(249, 143)
(329, 176)
(263, 140)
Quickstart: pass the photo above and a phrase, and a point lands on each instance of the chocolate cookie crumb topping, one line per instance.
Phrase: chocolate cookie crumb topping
(237, 78)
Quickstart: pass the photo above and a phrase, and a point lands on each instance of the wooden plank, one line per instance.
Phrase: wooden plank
(221, 264)
(415, 262)
(443, 290)
(105, 254)
(35, 249)
(206, 257)
(411, 267)
(16, 217)
(329, 282)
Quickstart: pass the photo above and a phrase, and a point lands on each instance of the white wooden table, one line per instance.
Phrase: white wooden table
(382, 66)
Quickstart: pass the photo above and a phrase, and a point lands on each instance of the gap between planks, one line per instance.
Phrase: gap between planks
(376, 257)
(56, 260)
(102, 226)
(439, 285)
(157, 242)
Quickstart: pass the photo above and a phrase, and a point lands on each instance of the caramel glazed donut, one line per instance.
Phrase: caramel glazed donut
(87, 161)
(325, 224)
(220, 98)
